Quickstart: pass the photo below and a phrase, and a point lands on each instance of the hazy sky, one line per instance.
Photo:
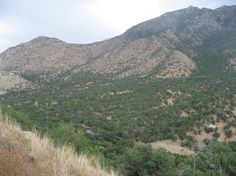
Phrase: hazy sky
(82, 21)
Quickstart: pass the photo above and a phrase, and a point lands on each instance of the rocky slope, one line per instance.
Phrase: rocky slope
(163, 47)
(11, 81)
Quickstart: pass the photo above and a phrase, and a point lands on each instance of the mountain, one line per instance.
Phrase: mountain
(163, 47)
(169, 83)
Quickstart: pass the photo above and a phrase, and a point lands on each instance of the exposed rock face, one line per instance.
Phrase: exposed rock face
(191, 25)
(163, 47)
(177, 65)
(49, 54)
(10, 81)
(139, 57)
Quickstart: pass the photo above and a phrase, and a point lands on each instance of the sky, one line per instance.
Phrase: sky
(82, 21)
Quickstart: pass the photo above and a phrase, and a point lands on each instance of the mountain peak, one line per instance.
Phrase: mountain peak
(227, 7)
(165, 45)
(192, 7)
(44, 39)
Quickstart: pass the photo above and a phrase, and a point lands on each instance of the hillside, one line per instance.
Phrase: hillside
(25, 153)
(165, 45)
(169, 82)
(12, 82)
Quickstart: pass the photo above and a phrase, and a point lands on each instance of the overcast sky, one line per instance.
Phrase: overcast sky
(82, 21)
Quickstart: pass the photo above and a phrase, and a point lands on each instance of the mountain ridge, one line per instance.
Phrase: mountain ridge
(163, 47)
(170, 84)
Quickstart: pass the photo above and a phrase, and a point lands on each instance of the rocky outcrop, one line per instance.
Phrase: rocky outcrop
(13, 82)
(163, 47)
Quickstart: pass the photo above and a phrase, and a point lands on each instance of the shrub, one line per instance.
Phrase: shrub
(67, 135)
(228, 133)
(143, 161)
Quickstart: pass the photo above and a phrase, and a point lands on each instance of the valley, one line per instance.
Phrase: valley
(169, 82)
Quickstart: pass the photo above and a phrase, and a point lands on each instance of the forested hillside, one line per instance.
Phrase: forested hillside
(125, 104)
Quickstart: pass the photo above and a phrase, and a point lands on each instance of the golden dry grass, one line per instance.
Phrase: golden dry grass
(24, 153)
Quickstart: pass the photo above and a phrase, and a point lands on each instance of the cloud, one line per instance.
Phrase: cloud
(122, 14)
(68, 20)
(5, 31)
(11, 31)
(119, 15)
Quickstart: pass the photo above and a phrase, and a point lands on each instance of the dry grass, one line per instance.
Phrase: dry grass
(25, 153)
(172, 146)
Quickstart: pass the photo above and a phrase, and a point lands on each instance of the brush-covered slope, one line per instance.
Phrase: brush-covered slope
(24, 153)
(163, 47)
(185, 116)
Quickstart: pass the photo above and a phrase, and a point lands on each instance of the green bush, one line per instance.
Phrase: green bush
(67, 135)
(20, 117)
(143, 161)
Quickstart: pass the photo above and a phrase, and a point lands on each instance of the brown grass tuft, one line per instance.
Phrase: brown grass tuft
(24, 153)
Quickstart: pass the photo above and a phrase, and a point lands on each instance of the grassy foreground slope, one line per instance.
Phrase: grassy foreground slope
(25, 153)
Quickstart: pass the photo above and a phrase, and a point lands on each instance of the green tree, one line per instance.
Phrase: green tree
(144, 161)
(66, 134)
